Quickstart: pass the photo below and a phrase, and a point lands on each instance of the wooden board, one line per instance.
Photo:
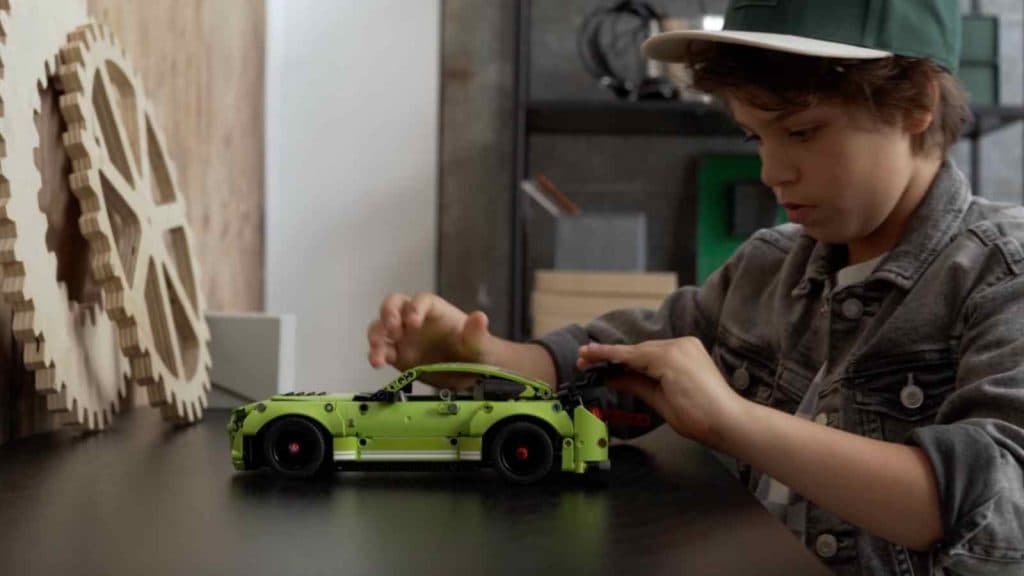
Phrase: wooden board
(607, 283)
(562, 297)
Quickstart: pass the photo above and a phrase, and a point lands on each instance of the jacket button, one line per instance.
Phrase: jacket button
(911, 396)
(853, 309)
(826, 546)
(741, 379)
(821, 418)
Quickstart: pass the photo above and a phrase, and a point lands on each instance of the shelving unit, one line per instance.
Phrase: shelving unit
(615, 117)
(680, 118)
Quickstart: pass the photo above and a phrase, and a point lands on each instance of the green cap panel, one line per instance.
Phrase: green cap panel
(916, 28)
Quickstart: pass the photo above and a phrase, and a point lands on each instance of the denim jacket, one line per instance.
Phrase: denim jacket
(928, 350)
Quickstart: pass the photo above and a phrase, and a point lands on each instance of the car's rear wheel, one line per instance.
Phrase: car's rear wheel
(295, 448)
(522, 453)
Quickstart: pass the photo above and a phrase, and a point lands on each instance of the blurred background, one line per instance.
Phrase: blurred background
(495, 152)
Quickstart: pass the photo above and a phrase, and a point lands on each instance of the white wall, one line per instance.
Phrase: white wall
(352, 138)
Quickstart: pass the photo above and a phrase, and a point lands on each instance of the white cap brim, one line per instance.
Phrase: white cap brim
(670, 46)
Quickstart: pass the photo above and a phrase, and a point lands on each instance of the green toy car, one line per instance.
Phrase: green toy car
(516, 425)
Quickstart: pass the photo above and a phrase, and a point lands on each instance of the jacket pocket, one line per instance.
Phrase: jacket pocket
(904, 394)
(757, 375)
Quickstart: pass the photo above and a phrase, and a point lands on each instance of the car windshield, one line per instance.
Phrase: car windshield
(469, 379)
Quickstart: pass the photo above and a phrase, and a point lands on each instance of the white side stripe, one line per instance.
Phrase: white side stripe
(408, 456)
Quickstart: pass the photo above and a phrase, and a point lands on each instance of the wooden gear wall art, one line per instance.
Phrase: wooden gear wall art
(95, 253)
(66, 338)
(135, 222)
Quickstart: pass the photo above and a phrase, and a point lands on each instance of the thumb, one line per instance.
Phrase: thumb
(474, 330)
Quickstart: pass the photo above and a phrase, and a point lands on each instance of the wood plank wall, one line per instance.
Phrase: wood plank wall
(201, 63)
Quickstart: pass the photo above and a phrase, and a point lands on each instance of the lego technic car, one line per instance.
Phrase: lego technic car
(514, 424)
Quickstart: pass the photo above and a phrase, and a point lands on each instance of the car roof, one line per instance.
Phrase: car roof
(534, 388)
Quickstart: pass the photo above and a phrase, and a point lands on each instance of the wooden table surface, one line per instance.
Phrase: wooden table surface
(147, 498)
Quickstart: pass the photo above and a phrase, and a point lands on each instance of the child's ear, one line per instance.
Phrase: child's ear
(917, 121)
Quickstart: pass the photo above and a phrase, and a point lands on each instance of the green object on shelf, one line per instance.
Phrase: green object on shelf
(981, 82)
(979, 59)
(980, 38)
(716, 177)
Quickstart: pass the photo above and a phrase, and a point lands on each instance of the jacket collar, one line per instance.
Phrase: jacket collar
(932, 224)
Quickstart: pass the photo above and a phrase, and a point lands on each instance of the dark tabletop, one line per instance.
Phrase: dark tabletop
(148, 498)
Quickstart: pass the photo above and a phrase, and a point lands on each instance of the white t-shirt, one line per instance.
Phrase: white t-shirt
(786, 505)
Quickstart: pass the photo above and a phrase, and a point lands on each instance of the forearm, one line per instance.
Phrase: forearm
(524, 358)
(885, 488)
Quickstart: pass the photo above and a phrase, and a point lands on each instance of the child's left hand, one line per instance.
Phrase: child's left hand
(677, 378)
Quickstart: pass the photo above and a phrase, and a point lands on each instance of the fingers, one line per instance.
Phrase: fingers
(376, 332)
(416, 309)
(384, 356)
(391, 315)
(381, 347)
(385, 331)
(594, 353)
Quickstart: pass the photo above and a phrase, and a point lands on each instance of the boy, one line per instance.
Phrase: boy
(865, 362)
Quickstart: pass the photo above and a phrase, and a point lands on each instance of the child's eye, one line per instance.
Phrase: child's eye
(803, 134)
(751, 138)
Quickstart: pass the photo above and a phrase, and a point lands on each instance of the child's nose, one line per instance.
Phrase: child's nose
(776, 169)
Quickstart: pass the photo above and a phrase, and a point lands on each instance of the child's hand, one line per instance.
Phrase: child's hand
(424, 329)
(678, 379)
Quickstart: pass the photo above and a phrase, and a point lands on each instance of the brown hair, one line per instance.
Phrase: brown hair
(889, 88)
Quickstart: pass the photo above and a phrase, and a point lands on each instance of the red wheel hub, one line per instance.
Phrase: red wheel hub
(522, 453)
(294, 448)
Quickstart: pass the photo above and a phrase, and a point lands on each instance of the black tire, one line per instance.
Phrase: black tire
(295, 448)
(522, 453)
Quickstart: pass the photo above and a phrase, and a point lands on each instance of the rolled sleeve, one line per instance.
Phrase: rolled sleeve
(977, 466)
(976, 446)
(625, 326)
(562, 345)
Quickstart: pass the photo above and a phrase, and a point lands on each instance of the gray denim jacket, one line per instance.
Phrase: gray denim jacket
(928, 351)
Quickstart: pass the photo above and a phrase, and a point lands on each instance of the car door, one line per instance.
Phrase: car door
(412, 427)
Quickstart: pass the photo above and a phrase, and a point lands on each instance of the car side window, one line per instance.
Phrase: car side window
(491, 388)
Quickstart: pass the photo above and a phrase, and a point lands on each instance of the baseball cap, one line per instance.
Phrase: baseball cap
(849, 29)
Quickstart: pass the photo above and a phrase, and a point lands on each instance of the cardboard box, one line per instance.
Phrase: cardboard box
(563, 297)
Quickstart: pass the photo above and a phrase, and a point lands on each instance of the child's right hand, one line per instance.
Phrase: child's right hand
(424, 329)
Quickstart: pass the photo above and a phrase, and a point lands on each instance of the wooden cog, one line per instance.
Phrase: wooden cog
(134, 219)
(67, 340)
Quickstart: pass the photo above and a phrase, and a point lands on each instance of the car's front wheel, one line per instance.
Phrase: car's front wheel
(522, 453)
(295, 448)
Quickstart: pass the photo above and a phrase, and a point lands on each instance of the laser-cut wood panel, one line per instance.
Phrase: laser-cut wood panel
(134, 219)
(202, 65)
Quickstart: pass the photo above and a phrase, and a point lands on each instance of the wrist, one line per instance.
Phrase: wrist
(733, 428)
(529, 359)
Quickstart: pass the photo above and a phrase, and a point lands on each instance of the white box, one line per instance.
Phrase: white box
(253, 357)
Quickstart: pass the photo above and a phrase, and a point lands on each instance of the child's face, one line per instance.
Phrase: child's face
(836, 170)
